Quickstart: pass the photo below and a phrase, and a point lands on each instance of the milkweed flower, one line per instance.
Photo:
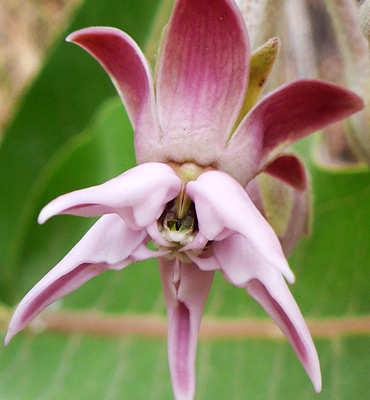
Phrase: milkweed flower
(197, 152)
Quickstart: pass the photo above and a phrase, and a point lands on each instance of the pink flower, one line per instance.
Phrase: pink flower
(187, 193)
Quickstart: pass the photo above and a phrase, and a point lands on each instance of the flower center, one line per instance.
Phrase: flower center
(178, 223)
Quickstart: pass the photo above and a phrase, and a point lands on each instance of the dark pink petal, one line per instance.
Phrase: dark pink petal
(290, 169)
(130, 73)
(186, 289)
(138, 196)
(223, 205)
(300, 108)
(243, 267)
(109, 244)
(281, 118)
(202, 78)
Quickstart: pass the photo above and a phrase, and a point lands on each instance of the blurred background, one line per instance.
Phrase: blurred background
(27, 30)
(63, 128)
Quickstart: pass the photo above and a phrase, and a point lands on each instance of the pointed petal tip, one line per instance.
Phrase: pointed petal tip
(312, 368)
(314, 373)
(317, 384)
(46, 213)
(290, 277)
(69, 38)
(184, 396)
(12, 331)
(357, 103)
(42, 218)
(73, 37)
(7, 339)
(350, 101)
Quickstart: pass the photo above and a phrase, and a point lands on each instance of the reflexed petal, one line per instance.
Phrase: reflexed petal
(244, 268)
(127, 67)
(138, 196)
(109, 244)
(185, 297)
(281, 118)
(202, 78)
(298, 109)
(290, 169)
(223, 205)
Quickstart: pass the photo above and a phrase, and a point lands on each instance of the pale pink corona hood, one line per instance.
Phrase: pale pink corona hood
(187, 117)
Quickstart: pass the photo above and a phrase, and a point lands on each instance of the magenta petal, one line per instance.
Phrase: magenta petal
(284, 116)
(202, 77)
(138, 196)
(298, 109)
(244, 268)
(127, 67)
(186, 290)
(222, 204)
(290, 169)
(109, 244)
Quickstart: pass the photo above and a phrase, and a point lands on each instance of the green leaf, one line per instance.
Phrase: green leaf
(54, 367)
